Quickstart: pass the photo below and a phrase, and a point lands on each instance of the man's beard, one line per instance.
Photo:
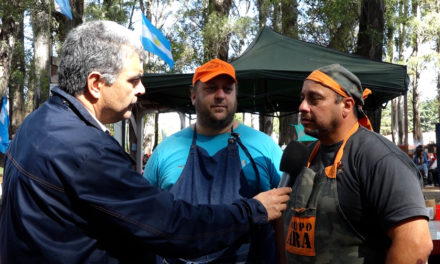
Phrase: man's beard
(321, 131)
(206, 119)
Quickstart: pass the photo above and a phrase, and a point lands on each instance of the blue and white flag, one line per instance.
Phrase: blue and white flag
(63, 6)
(4, 124)
(155, 42)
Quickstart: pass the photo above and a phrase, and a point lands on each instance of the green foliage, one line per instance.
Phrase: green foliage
(323, 21)
(190, 31)
(429, 114)
(115, 10)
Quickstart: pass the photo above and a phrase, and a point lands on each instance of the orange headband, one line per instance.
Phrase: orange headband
(322, 78)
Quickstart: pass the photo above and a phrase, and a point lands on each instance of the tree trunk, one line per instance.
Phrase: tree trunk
(182, 120)
(16, 85)
(287, 129)
(266, 124)
(417, 131)
(216, 44)
(370, 42)
(437, 49)
(371, 29)
(400, 120)
(289, 23)
(263, 12)
(394, 135)
(149, 133)
(403, 7)
(342, 35)
(266, 119)
(40, 16)
(12, 14)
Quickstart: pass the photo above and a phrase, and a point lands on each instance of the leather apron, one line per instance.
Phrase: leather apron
(219, 179)
(317, 229)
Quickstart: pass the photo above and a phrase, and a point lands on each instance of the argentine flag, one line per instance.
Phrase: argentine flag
(155, 42)
(4, 124)
(63, 7)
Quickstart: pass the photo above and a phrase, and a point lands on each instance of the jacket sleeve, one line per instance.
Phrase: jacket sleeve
(112, 196)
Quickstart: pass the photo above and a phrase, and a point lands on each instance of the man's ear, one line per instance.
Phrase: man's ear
(348, 107)
(94, 84)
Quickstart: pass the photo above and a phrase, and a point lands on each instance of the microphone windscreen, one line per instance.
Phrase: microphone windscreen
(294, 158)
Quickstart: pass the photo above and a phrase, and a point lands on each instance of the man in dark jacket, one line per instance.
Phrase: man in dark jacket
(70, 193)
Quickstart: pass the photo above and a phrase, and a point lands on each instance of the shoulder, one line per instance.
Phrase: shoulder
(374, 147)
(249, 132)
(258, 142)
(179, 138)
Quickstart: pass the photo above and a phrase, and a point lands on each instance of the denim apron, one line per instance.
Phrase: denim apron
(219, 179)
(317, 229)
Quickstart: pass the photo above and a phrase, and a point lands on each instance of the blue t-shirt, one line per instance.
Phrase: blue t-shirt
(166, 163)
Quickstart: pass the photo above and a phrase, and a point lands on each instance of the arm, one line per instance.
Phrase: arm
(115, 197)
(411, 242)
(279, 240)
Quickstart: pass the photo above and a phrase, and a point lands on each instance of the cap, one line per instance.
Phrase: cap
(346, 79)
(213, 68)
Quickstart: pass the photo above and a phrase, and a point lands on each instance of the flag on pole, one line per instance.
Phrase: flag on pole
(155, 42)
(4, 124)
(63, 6)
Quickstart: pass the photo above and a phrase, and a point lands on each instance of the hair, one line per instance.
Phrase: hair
(100, 46)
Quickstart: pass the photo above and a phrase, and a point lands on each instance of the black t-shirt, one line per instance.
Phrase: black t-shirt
(379, 187)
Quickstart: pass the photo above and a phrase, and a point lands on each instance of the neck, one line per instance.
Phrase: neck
(86, 103)
(209, 131)
(339, 132)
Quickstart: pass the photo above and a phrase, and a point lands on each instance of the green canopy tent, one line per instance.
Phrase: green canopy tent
(270, 75)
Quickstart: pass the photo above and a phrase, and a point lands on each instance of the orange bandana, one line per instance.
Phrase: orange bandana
(322, 78)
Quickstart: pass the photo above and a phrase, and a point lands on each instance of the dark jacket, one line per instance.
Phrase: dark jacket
(70, 195)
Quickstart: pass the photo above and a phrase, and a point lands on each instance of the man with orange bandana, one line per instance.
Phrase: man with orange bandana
(359, 200)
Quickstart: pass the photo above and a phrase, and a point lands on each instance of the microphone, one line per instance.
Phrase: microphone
(294, 159)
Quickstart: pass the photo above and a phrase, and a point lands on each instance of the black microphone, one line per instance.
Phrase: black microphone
(294, 159)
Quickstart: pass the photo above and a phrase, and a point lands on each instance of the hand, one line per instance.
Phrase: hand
(274, 201)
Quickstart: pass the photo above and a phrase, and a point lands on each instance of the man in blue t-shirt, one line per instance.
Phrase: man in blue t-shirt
(217, 160)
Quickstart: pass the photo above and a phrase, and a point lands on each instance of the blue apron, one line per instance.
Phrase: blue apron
(219, 179)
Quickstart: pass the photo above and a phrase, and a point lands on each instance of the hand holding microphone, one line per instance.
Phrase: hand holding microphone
(294, 159)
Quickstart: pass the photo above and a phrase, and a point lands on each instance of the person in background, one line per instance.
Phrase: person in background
(360, 199)
(421, 161)
(217, 160)
(70, 194)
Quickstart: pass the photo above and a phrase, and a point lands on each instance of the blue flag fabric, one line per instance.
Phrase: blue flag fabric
(63, 6)
(4, 124)
(302, 136)
(155, 42)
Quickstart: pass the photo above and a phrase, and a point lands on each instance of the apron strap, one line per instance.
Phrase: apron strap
(194, 140)
(332, 169)
(245, 150)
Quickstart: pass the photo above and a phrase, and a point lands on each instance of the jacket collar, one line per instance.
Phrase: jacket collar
(76, 106)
